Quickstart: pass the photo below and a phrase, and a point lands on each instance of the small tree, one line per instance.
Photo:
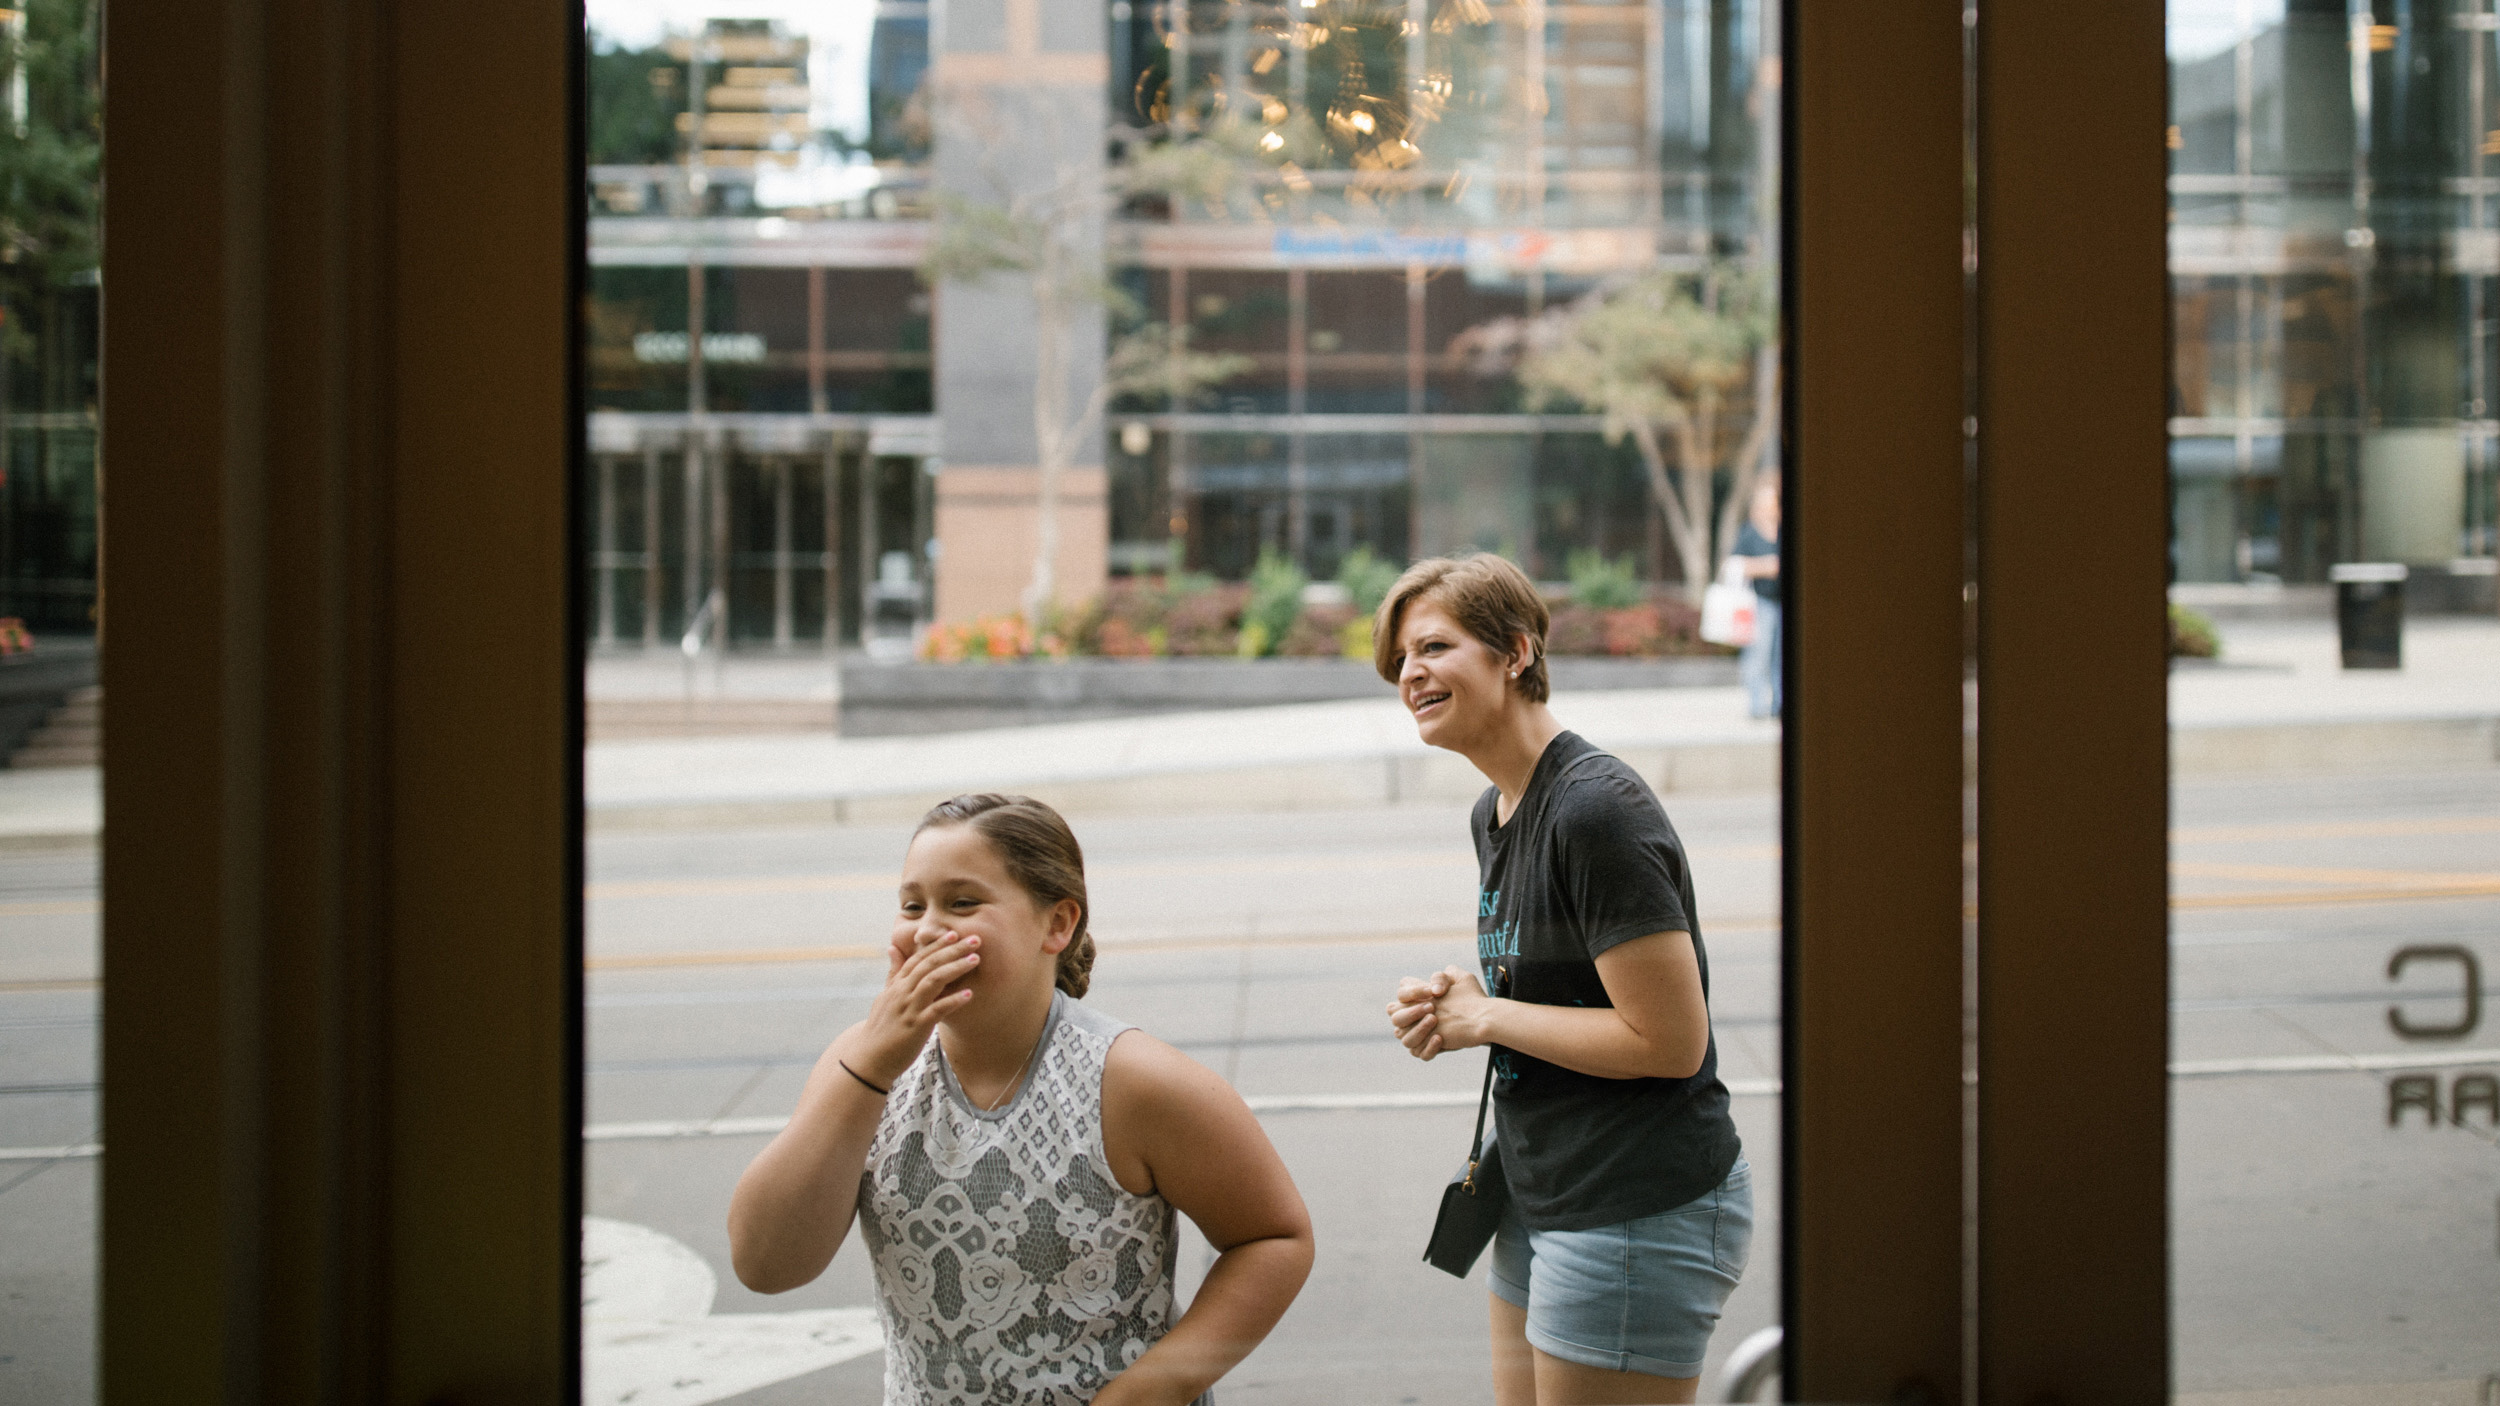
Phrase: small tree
(1051, 236)
(1658, 356)
(50, 162)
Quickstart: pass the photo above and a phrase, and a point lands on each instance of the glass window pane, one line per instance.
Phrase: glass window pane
(50, 707)
(1249, 305)
(2333, 1204)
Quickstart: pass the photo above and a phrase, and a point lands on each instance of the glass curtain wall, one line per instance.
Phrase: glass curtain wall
(51, 747)
(1420, 194)
(1334, 266)
(2332, 257)
(766, 179)
(2335, 176)
(1449, 182)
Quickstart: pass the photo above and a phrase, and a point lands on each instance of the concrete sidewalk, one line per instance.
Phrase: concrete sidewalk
(2277, 702)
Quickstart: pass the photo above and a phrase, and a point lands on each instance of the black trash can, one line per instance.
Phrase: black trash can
(2370, 613)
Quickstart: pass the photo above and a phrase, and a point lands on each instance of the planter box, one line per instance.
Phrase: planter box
(914, 697)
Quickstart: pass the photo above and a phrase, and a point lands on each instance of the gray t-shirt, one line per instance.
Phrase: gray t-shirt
(1589, 862)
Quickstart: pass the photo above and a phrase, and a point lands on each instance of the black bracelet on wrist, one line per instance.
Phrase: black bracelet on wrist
(863, 1079)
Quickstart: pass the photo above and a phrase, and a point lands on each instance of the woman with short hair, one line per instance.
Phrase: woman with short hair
(1631, 1208)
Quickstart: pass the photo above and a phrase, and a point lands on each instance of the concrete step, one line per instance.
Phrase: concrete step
(72, 735)
(616, 719)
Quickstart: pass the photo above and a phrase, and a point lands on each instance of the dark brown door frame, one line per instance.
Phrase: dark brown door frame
(2038, 1268)
(1872, 1184)
(342, 835)
(2073, 777)
(342, 855)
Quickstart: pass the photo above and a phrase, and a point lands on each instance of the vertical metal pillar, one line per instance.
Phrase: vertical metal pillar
(782, 559)
(651, 565)
(604, 562)
(690, 566)
(1297, 406)
(2073, 539)
(1871, 1227)
(1176, 448)
(696, 431)
(720, 543)
(1416, 353)
(867, 530)
(830, 458)
(816, 400)
(1533, 107)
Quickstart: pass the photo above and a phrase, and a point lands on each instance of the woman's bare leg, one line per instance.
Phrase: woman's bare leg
(1562, 1383)
(1514, 1362)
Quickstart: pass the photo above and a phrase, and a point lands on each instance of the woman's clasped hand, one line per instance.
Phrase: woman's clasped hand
(1444, 1011)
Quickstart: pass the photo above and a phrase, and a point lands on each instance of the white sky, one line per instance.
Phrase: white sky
(837, 70)
(2202, 27)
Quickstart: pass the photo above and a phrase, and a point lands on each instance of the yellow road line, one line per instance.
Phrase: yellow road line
(769, 956)
(58, 908)
(2334, 830)
(1440, 858)
(2308, 874)
(2313, 897)
(764, 956)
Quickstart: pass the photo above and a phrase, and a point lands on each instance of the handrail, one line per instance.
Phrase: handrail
(692, 641)
(1754, 1363)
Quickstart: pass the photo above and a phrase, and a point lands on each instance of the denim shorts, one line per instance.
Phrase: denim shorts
(1640, 1296)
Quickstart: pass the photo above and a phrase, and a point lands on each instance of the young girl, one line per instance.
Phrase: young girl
(1015, 1177)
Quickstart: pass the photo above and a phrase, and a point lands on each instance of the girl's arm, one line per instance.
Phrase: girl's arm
(1171, 1126)
(794, 1205)
(1658, 1027)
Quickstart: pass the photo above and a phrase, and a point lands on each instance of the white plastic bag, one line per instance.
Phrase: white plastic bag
(1727, 607)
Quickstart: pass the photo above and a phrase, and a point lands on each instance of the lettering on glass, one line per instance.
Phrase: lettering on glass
(2411, 1091)
(2471, 1094)
(2472, 1091)
(2472, 1015)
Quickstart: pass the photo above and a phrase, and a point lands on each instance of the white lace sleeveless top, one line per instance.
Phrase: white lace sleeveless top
(1012, 1268)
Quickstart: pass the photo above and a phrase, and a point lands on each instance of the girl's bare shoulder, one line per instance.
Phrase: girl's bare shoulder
(1144, 1076)
(1162, 1110)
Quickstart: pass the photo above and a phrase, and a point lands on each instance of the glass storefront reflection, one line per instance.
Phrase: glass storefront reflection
(1397, 179)
(2333, 246)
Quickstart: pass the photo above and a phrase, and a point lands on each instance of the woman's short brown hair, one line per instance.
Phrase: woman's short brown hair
(1041, 854)
(1489, 597)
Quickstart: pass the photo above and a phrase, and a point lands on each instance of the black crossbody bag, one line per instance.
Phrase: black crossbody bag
(1473, 1203)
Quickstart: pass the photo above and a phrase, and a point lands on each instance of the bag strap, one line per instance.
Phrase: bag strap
(1475, 1148)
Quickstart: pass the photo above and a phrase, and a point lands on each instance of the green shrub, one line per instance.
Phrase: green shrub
(1275, 599)
(1600, 584)
(2192, 635)
(1319, 633)
(1366, 579)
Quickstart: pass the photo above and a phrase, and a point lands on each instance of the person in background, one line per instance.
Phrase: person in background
(1758, 546)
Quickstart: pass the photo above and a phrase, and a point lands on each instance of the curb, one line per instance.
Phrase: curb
(2328, 748)
(1702, 768)
(1351, 783)
(2280, 749)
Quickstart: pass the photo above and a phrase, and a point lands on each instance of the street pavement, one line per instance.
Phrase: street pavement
(2314, 1244)
(2322, 1253)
